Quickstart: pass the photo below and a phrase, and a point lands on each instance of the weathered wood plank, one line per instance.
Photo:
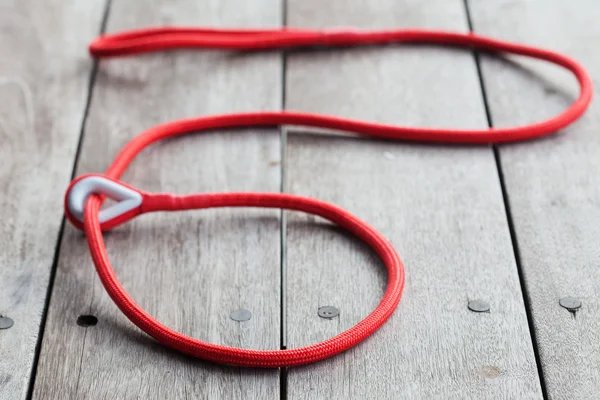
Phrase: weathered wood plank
(552, 184)
(44, 73)
(440, 206)
(190, 270)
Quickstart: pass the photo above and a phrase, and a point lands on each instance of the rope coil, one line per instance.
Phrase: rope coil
(155, 39)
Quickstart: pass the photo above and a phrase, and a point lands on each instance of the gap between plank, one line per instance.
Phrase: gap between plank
(54, 267)
(283, 372)
(508, 212)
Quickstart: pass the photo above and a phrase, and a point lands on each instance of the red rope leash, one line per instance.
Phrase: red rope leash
(86, 193)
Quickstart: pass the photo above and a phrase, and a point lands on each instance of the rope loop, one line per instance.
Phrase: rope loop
(86, 194)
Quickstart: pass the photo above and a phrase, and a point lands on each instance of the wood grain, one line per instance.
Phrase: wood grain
(441, 207)
(44, 74)
(189, 270)
(552, 184)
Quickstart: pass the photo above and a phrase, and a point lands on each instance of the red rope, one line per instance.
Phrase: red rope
(148, 40)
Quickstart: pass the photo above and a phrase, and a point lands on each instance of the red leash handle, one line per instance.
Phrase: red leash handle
(86, 194)
(154, 39)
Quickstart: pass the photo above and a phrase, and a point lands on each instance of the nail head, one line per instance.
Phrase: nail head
(240, 315)
(86, 321)
(479, 306)
(328, 312)
(6, 323)
(570, 303)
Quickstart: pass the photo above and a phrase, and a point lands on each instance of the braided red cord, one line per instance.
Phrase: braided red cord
(149, 40)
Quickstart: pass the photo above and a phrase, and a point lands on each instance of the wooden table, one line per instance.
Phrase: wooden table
(515, 226)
